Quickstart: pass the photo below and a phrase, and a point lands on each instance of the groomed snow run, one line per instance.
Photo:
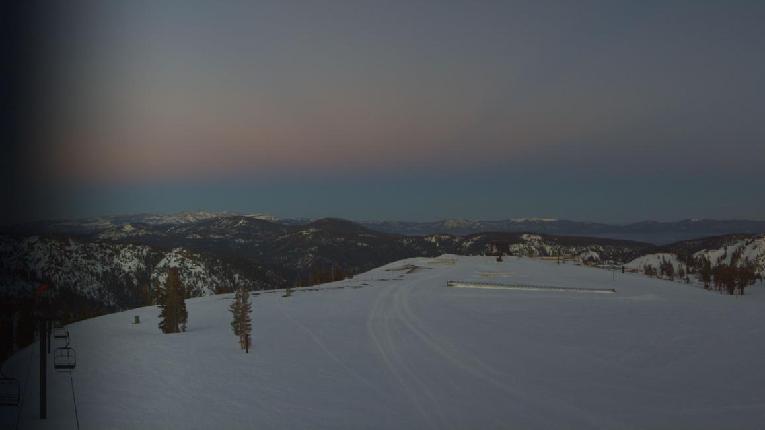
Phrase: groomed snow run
(401, 351)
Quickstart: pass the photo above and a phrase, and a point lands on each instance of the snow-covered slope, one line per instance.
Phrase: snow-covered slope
(752, 249)
(736, 251)
(115, 274)
(395, 348)
(655, 260)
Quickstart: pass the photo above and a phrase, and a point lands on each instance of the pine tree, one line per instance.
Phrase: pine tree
(172, 303)
(746, 275)
(649, 270)
(167, 303)
(245, 321)
(241, 323)
(666, 268)
(235, 312)
(705, 272)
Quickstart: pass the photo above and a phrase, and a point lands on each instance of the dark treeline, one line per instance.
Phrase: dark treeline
(725, 276)
(729, 278)
(322, 276)
(20, 314)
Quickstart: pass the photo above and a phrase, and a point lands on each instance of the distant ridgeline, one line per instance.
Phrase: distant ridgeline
(656, 232)
(98, 267)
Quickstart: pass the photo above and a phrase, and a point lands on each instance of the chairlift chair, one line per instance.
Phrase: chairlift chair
(60, 333)
(65, 359)
(10, 391)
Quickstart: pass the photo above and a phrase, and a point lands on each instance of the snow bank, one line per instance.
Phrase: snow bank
(525, 287)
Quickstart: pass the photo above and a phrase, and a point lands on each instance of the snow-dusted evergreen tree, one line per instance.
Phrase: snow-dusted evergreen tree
(705, 272)
(235, 309)
(241, 322)
(245, 321)
(173, 315)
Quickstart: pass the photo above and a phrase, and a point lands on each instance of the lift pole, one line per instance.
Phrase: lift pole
(43, 370)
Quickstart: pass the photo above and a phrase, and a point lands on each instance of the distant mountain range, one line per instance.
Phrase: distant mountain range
(654, 232)
(119, 262)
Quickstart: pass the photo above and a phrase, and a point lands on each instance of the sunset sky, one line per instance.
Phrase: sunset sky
(608, 111)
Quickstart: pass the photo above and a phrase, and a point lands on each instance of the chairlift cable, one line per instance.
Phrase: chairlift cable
(23, 396)
(74, 400)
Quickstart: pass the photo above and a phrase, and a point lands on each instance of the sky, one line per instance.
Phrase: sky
(609, 111)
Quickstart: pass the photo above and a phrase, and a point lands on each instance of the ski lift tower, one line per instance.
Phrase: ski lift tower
(44, 316)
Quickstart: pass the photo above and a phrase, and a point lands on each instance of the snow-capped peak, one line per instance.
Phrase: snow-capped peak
(533, 219)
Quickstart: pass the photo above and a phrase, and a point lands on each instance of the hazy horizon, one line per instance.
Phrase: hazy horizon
(265, 214)
(603, 111)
